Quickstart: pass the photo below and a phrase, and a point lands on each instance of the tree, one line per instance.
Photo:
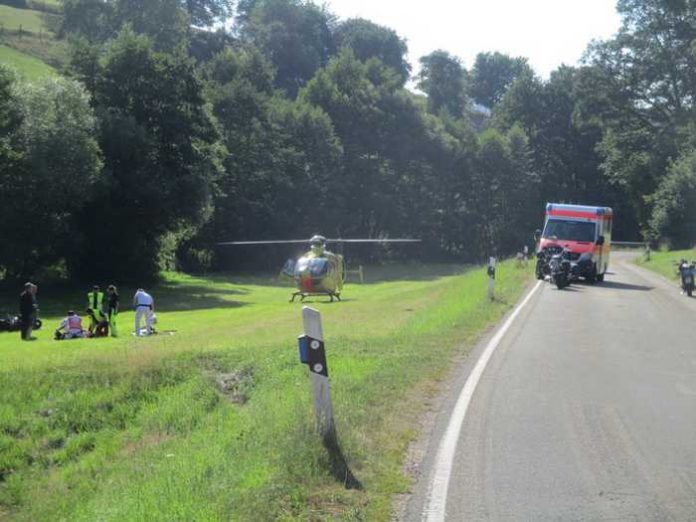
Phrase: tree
(206, 13)
(282, 162)
(296, 36)
(204, 45)
(674, 204)
(10, 157)
(10, 114)
(503, 192)
(55, 176)
(100, 20)
(161, 156)
(641, 89)
(369, 40)
(442, 78)
(493, 74)
(90, 19)
(164, 21)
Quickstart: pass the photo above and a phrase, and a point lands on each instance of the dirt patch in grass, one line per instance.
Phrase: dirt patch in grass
(235, 386)
(148, 441)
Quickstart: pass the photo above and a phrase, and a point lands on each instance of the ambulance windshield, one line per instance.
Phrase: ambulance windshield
(570, 230)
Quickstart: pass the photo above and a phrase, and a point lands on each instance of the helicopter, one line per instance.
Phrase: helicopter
(318, 272)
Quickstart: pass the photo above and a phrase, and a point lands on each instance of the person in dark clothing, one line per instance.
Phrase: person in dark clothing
(112, 309)
(27, 309)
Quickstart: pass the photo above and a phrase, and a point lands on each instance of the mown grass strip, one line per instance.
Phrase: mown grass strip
(13, 18)
(28, 67)
(215, 422)
(665, 263)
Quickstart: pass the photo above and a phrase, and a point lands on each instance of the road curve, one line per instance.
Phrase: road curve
(586, 410)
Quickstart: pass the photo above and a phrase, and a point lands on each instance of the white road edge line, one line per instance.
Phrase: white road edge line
(437, 492)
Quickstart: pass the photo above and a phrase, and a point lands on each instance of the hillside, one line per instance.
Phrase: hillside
(28, 66)
(28, 40)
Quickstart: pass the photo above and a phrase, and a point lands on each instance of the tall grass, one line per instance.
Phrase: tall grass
(215, 422)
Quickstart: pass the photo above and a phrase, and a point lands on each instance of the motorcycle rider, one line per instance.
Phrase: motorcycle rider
(686, 273)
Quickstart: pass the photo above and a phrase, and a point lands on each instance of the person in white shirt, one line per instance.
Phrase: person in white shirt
(71, 327)
(144, 305)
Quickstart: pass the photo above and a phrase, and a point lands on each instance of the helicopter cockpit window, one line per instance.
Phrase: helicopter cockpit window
(313, 267)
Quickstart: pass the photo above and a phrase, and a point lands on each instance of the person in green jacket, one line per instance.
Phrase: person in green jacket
(95, 301)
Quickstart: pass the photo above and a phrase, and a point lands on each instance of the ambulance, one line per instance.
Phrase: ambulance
(585, 233)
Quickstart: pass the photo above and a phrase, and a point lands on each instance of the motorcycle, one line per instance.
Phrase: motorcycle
(687, 272)
(554, 262)
(13, 323)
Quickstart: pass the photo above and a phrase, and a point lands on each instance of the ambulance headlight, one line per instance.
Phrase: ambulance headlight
(584, 258)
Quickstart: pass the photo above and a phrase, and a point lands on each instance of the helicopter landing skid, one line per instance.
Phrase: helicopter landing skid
(303, 295)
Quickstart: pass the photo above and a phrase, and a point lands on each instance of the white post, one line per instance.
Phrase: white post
(491, 278)
(313, 354)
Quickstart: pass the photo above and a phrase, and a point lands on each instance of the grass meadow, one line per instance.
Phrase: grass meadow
(28, 67)
(13, 18)
(214, 420)
(27, 38)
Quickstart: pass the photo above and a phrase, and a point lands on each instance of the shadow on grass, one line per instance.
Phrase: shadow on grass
(339, 466)
(407, 272)
(372, 274)
(169, 297)
(175, 297)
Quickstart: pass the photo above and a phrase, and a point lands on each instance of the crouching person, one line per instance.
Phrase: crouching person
(70, 327)
(98, 323)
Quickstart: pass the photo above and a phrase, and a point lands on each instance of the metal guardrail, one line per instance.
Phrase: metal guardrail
(631, 243)
(638, 244)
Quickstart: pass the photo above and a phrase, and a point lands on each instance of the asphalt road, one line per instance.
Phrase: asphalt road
(586, 410)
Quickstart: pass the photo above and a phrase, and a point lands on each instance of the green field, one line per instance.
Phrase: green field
(664, 263)
(36, 43)
(27, 66)
(29, 20)
(215, 421)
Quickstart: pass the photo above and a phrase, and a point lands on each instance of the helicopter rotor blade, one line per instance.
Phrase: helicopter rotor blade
(270, 242)
(373, 240)
(306, 241)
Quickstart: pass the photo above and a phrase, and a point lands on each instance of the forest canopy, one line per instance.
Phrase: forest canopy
(181, 123)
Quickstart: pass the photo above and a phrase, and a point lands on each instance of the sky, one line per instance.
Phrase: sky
(547, 32)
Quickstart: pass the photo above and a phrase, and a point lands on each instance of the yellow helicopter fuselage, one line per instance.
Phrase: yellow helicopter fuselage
(319, 273)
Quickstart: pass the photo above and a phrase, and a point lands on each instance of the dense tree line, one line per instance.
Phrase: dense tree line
(167, 136)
